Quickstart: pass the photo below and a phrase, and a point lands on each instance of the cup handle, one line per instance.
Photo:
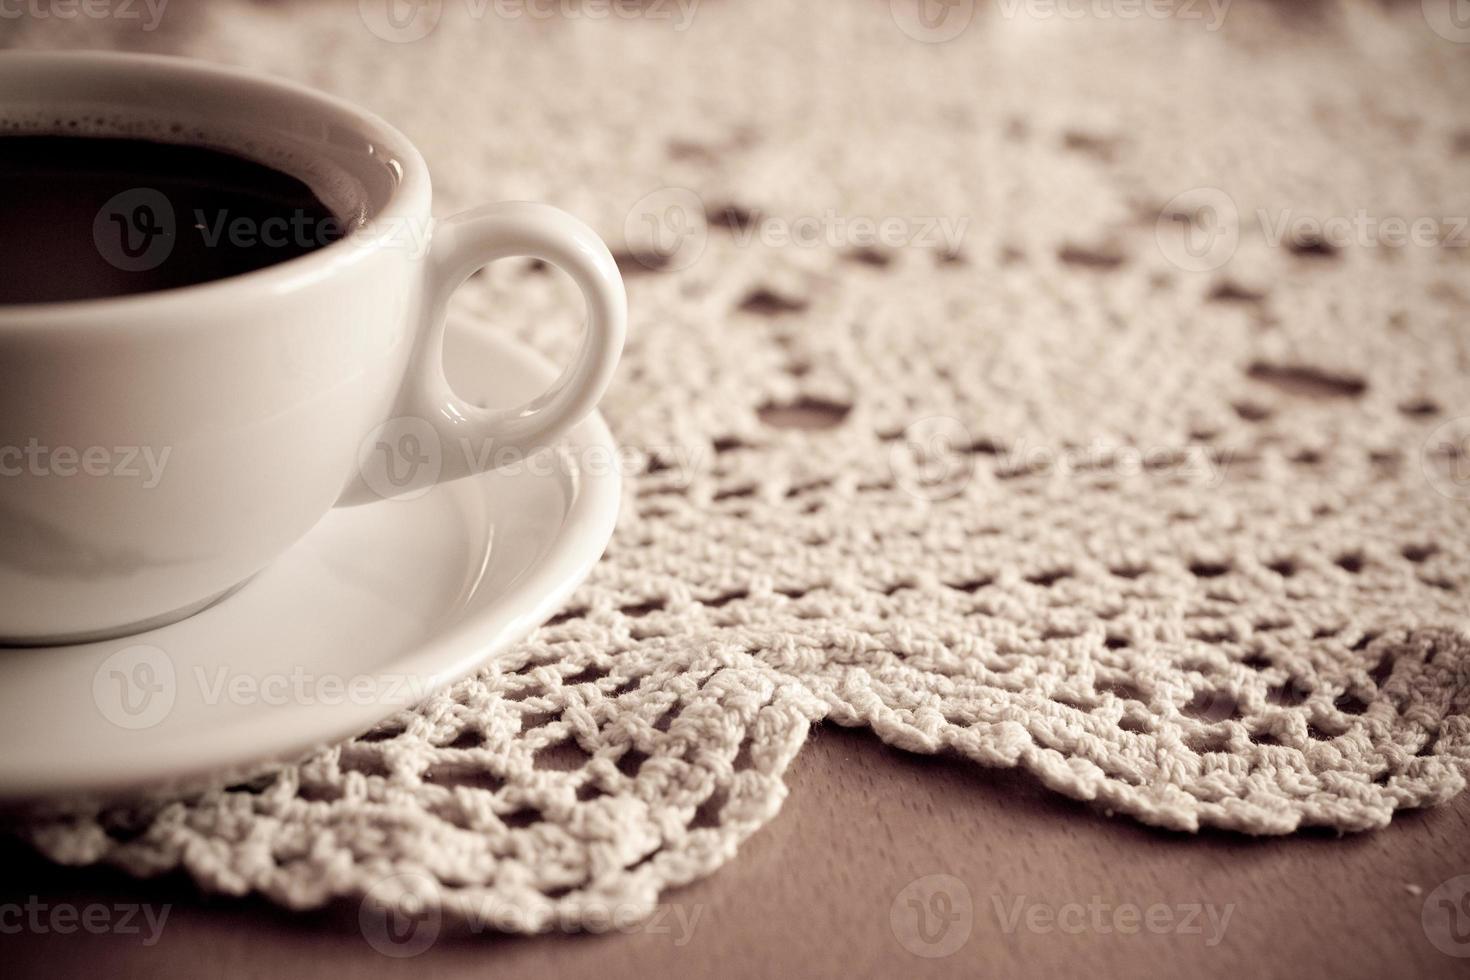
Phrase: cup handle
(434, 425)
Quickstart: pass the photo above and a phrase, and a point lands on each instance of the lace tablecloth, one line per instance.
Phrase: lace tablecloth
(1078, 393)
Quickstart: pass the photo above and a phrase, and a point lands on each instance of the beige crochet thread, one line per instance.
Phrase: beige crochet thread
(1180, 536)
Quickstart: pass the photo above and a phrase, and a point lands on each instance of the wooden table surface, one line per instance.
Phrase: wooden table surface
(1010, 880)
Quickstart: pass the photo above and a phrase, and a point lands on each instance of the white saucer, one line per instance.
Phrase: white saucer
(376, 607)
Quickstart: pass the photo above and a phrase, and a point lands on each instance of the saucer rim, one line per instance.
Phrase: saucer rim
(453, 651)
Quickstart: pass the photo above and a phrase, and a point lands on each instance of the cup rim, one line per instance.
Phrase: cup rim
(408, 200)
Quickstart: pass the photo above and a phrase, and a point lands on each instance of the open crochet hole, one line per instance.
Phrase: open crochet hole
(1307, 381)
(1350, 704)
(1311, 246)
(870, 257)
(1116, 642)
(1208, 569)
(1127, 571)
(631, 761)
(1417, 553)
(768, 302)
(642, 608)
(1212, 705)
(1351, 561)
(365, 762)
(1100, 258)
(564, 756)
(1230, 291)
(384, 733)
(1208, 741)
(465, 777)
(727, 444)
(807, 413)
(1324, 731)
(1286, 568)
(1101, 147)
(1264, 738)
(536, 719)
(567, 614)
(521, 819)
(1119, 689)
(1049, 578)
(640, 263)
(469, 738)
(1288, 694)
(1251, 411)
(1419, 408)
(729, 217)
(707, 814)
(736, 493)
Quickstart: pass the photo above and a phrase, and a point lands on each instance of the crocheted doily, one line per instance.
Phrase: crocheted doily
(1056, 394)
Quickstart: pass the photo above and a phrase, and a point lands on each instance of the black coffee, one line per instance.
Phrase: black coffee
(85, 217)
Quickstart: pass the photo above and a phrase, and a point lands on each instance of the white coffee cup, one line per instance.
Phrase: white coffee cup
(250, 405)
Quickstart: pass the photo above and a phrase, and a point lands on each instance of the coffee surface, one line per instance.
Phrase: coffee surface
(90, 217)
